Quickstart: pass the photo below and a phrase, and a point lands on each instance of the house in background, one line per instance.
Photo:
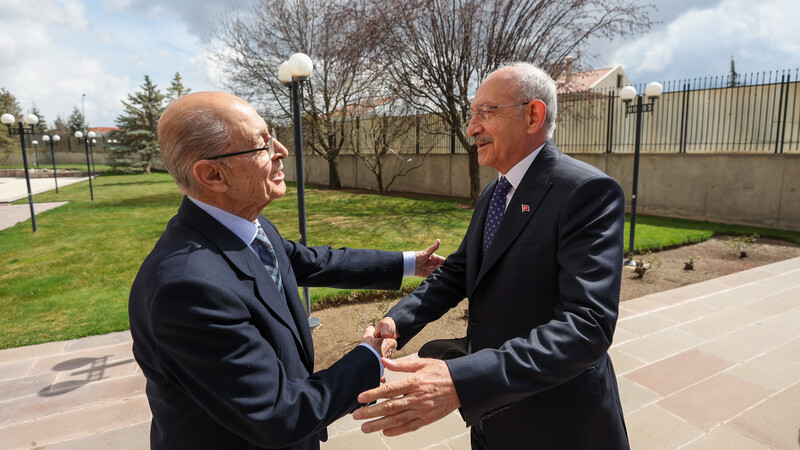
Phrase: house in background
(599, 80)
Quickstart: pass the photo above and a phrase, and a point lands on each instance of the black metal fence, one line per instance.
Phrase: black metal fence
(754, 113)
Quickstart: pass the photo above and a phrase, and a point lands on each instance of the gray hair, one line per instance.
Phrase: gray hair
(535, 83)
(195, 135)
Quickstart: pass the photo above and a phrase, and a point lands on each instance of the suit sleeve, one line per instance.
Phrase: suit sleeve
(209, 348)
(589, 257)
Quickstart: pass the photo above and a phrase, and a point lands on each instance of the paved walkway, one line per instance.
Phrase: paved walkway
(711, 365)
(13, 189)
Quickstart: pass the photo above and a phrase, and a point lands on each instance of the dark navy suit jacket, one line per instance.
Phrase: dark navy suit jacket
(229, 362)
(543, 305)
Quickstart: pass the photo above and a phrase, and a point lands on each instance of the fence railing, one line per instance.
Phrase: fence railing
(757, 112)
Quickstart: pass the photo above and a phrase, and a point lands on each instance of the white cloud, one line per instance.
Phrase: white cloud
(760, 36)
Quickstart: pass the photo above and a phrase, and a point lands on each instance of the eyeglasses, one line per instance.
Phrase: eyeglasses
(482, 114)
(270, 148)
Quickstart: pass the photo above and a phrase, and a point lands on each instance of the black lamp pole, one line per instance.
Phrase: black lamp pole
(88, 166)
(53, 141)
(22, 131)
(91, 153)
(638, 109)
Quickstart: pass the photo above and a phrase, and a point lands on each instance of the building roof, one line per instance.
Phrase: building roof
(103, 129)
(581, 81)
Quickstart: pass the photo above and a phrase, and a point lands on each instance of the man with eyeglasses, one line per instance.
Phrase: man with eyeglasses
(218, 327)
(541, 267)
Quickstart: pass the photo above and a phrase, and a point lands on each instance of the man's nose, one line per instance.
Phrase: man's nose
(280, 151)
(474, 127)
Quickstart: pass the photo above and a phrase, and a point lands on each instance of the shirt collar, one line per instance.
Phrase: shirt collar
(516, 173)
(242, 228)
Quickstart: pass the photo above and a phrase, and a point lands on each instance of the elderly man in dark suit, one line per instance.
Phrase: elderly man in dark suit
(218, 327)
(541, 266)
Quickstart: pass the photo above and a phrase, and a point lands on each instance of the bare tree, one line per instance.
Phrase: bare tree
(436, 52)
(251, 45)
(378, 132)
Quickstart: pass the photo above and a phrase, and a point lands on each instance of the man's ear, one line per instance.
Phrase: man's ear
(537, 111)
(209, 176)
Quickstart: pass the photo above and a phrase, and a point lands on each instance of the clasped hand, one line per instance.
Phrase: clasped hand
(425, 396)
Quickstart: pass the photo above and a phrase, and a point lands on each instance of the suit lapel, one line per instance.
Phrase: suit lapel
(242, 258)
(293, 303)
(523, 206)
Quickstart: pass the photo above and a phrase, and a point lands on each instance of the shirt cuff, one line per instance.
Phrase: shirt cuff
(409, 264)
(374, 353)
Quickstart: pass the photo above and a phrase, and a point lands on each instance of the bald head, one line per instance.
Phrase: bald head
(197, 126)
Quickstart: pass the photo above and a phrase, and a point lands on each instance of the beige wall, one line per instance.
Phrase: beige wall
(749, 189)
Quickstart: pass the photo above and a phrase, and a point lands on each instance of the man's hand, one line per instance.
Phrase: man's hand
(386, 329)
(383, 346)
(418, 400)
(428, 261)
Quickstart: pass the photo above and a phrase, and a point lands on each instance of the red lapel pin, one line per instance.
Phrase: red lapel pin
(526, 208)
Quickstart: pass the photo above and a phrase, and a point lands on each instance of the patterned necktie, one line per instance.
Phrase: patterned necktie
(497, 205)
(267, 256)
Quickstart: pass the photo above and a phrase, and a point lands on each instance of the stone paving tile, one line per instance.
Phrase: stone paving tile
(722, 323)
(355, 440)
(679, 371)
(31, 351)
(81, 359)
(72, 424)
(724, 437)
(449, 427)
(785, 324)
(460, 443)
(653, 428)
(134, 437)
(645, 324)
(643, 304)
(622, 335)
(660, 345)
(79, 396)
(744, 277)
(781, 267)
(723, 300)
(775, 422)
(88, 369)
(775, 304)
(790, 351)
(623, 362)
(634, 396)
(769, 371)
(624, 312)
(21, 387)
(692, 291)
(715, 400)
(756, 291)
(15, 369)
(687, 311)
(744, 344)
(103, 340)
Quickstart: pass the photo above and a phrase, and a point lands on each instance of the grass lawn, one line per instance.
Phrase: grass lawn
(72, 278)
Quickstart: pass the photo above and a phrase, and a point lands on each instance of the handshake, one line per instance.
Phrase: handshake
(425, 396)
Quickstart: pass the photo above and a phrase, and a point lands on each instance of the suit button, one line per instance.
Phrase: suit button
(474, 321)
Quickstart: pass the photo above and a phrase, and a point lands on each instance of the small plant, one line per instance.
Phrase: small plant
(372, 319)
(742, 243)
(647, 261)
(689, 265)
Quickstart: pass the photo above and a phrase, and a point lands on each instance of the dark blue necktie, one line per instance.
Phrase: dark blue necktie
(267, 256)
(497, 206)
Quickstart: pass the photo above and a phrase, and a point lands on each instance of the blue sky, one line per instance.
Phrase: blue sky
(56, 50)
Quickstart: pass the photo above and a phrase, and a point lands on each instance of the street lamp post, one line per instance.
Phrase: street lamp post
(36, 152)
(652, 91)
(90, 135)
(292, 73)
(91, 152)
(27, 128)
(53, 141)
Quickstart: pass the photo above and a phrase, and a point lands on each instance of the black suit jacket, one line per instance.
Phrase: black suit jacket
(543, 305)
(229, 362)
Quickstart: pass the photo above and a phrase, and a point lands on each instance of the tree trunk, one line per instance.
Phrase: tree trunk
(333, 175)
(474, 176)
